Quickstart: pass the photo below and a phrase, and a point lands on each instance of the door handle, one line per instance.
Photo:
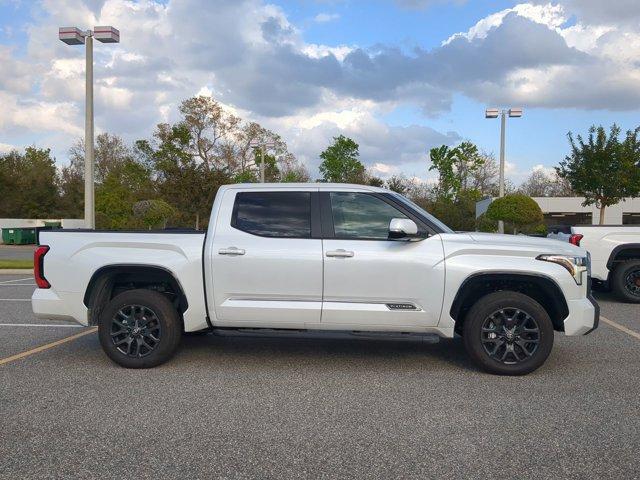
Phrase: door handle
(231, 251)
(340, 253)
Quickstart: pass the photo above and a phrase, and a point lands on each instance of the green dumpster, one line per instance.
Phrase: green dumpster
(24, 236)
(8, 235)
(57, 224)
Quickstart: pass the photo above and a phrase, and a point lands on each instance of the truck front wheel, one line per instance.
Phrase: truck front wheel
(626, 281)
(508, 333)
(139, 329)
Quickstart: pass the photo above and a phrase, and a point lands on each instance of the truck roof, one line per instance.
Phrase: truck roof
(319, 185)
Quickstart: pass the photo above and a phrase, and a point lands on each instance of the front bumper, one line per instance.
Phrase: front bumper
(584, 315)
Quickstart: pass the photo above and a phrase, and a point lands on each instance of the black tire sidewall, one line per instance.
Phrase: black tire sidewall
(619, 275)
(495, 301)
(171, 330)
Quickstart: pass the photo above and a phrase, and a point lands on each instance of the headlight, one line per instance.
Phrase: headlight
(576, 266)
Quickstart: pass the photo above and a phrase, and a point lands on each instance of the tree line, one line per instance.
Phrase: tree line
(171, 178)
(167, 180)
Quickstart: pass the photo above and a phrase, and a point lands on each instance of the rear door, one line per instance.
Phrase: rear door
(267, 258)
(369, 280)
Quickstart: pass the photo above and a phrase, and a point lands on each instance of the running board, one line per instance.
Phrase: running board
(326, 334)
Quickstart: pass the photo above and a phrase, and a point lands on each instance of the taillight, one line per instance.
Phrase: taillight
(575, 238)
(38, 266)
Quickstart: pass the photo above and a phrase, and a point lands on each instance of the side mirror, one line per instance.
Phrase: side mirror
(402, 228)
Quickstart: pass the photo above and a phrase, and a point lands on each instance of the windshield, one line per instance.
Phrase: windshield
(423, 212)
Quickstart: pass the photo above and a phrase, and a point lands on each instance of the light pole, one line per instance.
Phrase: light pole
(494, 113)
(255, 143)
(75, 36)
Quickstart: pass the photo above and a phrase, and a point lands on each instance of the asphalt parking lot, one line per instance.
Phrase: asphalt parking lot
(240, 407)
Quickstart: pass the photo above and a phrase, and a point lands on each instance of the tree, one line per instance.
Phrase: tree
(543, 184)
(516, 209)
(443, 159)
(373, 181)
(603, 169)
(181, 180)
(111, 153)
(467, 161)
(28, 184)
(70, 182)
(123, 186)
(459, 213)
(398, 184)
(153, 213)
(222, 142)
(294, 174)
(211, 129)
(340, 162)
(484, 178)
(461, 168)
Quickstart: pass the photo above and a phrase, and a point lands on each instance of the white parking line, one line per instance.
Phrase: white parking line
(16, 280)
(622, 328)
(15, 299)
(19, 285)
(39, 325)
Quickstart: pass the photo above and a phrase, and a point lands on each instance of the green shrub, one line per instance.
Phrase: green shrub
(517, 210)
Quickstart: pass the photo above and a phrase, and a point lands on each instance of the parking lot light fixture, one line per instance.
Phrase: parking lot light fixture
(262, 145)
(76, 36)
(491, 113)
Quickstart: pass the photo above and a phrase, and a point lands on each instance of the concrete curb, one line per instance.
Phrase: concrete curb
(16, 271)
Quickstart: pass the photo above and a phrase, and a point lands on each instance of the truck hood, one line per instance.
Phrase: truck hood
(524, 243)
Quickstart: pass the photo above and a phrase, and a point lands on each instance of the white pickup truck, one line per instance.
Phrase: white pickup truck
(317, 257)
(615, 255)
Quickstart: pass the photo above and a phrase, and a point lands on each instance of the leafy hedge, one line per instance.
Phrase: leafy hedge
(516, 209)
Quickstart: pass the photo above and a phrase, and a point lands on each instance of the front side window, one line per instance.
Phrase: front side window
(273, 214)
(361, 216)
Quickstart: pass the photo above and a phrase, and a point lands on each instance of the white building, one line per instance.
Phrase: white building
(569, 211)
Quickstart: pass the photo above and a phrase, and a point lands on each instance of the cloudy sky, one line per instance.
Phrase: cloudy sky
(398, 76)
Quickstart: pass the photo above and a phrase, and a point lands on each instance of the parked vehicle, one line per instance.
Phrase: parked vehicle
(317, 257)
(615, 256)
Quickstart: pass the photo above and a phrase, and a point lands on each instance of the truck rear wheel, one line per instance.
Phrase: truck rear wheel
(626, 281)
(508, 333)
(139, 329)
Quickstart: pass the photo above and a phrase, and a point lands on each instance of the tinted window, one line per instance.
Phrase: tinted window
(359, 215)
(273, 214)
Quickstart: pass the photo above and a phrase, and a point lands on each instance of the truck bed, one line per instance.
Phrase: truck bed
(178, 252)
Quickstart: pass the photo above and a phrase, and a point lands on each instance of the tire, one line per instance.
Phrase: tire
(483, 332)
(139, 329)
(626, 281)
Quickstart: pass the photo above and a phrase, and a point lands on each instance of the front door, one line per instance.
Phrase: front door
(267, 259)
(370, 280)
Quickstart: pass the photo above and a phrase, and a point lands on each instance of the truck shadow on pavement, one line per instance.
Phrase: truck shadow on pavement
(268, 352)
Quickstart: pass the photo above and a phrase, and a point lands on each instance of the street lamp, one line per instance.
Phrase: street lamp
(494, 113)
(255, 143)
(75, 36)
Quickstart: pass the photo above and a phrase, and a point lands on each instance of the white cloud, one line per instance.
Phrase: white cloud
(385, 170)
(318, 51)
(549, 15)
(18, 116)
(326, 17)
(253, 59)
(6, 148)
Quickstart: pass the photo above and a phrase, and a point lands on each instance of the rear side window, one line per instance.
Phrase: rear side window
(273, 214)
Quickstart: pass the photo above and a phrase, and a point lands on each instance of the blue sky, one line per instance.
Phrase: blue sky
(386, 73)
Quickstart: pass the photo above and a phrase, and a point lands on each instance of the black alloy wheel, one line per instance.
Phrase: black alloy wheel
(135, 330)
(510, 335)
